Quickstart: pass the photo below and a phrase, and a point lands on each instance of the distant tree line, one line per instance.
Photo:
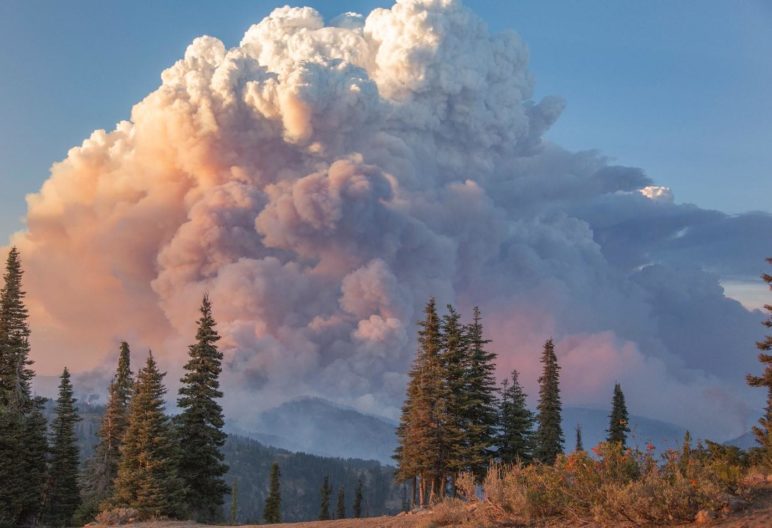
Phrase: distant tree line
(456, 420)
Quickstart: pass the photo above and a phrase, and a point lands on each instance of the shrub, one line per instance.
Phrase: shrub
(619, 485)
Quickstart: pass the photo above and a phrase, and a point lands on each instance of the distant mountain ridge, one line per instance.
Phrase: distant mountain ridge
(318, 426)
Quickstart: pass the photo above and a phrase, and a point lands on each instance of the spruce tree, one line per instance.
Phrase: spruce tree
(358, 500)
(549, 433)
(340, 507)
(579, 445)
(619, 422)
(102, 468)
(515, 441)
(481, 412)
(324, 507)
(147, 477)
(272, 513)
(200, 423)
(22, 425)
(763, 431)
(62, 494)
(456, 448)
(234, 517)
(421, 451)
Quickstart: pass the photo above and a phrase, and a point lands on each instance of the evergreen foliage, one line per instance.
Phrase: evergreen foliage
(200, 423)
(62, 494)
(147, 477)
(234, 516)
(324, 506)
(480, 408)
(22, 425)
(515, 441)
(454, 447)
(549, 434)
(358, 500)
(763, 431)
(619, 421)
(102, 467)
(340, 507)
(272, 512)
(579, 445)
(421, 452)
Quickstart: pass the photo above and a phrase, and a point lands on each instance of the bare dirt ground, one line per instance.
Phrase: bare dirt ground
(757, 515)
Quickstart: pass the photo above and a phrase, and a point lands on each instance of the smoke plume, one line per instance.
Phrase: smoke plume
(322, 180)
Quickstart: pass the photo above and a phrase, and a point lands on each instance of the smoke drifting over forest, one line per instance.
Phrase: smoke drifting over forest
(322, 179)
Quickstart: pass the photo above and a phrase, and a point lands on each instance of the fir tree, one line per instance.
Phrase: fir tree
(15, 366)
(549, 434)
(480, 408)
(340, 507)
(421, 434)
(272, 513)
(102, 468)
(358, 500)
(22, 426)
(62, 494)
(201, 421)
(147, 477)
(324, 507)
(515, 440)
(234, 516)
(455, 450)
(579, 445)
(763, 431)
(618, 419)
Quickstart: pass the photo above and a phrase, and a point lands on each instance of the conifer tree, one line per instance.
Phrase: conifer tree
(515, 440)
(763, 431)
(481, 412)
(102, 468)
(147, 477)
(62, 494)
(15, 366)
(200, 423)
(234, 517)
(421, 432)
(549, 434)
(455, 450)
(340, 507)
(324, 507)
(618, 419)
(358, 500)
(22, 425)
(272, 513)
(579, 445)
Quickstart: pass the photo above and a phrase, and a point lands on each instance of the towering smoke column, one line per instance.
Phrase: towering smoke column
(322, 181)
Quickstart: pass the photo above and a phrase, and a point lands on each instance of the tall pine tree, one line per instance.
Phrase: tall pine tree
(455, 450)
(579, 444)
(763, 431)
(147, 477)
(549, 434)
(201, 422)
(102, 468)
(324, 506)
(481, 412)
(340, 507)
(358, 498)
(62, 494)
(515, 442)
(272, 512)
(421, 432)
(22, 426)
(619, 421)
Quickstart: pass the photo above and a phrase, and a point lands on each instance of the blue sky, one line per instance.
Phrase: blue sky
(678, 88)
